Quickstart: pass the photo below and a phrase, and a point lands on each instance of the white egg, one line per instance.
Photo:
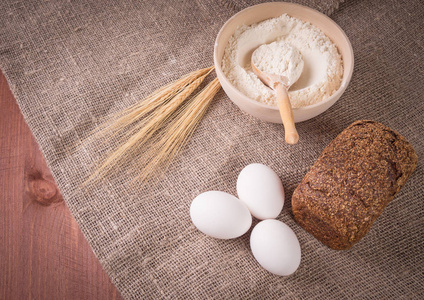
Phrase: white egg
(261, 189)
(275, 247)
(220, 215)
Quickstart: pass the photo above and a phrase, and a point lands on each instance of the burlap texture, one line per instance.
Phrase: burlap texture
(70, 63)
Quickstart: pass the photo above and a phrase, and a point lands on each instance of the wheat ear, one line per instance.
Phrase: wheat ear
(142, 121)
(133, 114)
(118, 123)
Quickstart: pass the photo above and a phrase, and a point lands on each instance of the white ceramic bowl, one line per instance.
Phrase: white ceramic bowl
(261, 12)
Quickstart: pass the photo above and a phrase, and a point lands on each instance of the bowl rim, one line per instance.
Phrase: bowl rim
(337, 94)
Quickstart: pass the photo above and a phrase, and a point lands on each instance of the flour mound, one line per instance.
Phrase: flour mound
(323, 66)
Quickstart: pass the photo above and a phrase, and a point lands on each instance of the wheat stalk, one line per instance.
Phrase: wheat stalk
(117, 124)
(177, 133)
(133, 114)
(137, 125)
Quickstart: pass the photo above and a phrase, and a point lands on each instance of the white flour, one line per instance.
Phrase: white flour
(323, 67)
(280, 61)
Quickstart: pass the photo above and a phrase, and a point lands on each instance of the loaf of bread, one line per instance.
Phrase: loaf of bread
(351, 183)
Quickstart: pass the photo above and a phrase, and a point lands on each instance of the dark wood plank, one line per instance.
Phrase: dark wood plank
(43, 254)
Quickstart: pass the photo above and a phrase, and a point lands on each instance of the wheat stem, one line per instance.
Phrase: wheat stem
(134, 113)
(176, 135)
(156, 110)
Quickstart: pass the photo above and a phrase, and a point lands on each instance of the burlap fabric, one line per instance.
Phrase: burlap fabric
(70, 63)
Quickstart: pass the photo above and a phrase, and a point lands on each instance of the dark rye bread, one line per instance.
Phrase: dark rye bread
(351, 183)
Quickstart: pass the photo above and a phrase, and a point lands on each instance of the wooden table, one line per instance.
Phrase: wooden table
(43, 254)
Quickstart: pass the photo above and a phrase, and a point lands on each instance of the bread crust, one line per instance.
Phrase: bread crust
(351, 183)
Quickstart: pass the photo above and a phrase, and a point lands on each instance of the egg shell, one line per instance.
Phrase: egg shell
(262, 190)
(220, 215)
(276, 247)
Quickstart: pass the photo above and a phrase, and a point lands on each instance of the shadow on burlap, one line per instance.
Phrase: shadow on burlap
(70, 64)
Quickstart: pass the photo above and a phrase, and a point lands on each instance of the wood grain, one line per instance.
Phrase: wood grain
(43, 254)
